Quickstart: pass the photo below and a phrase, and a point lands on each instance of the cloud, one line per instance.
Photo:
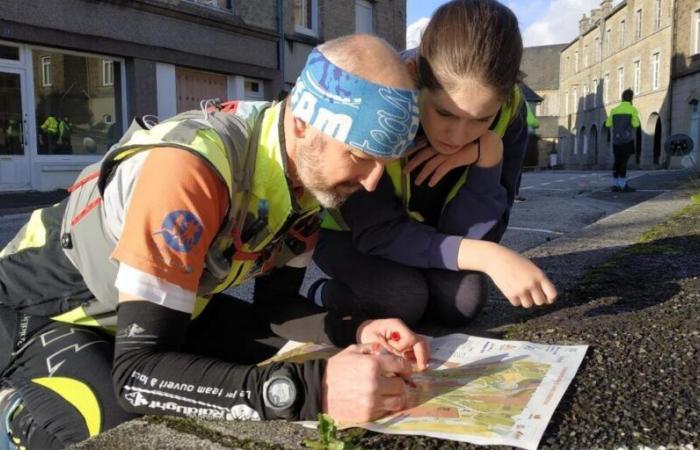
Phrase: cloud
(414, 32)
(559, 23)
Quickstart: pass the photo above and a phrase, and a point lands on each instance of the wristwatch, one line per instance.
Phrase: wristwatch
(280, 394)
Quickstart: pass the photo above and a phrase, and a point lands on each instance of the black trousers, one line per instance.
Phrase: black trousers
(621, 153)
(63, 371)
(381, 288)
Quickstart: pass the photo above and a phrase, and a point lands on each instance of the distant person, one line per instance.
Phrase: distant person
(49, 134)
(65, 131)
(623, 120)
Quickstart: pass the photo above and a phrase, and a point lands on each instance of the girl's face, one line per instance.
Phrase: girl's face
(456, 118)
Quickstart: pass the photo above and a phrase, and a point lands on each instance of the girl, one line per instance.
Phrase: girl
(414, 247)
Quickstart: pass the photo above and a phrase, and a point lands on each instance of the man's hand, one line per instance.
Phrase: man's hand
(521, 281)
(360, 385)
(395, 337)
(438, 164)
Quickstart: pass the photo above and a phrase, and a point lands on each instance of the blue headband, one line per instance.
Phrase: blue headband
(379, 120)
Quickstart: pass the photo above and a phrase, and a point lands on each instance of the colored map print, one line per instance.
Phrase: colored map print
(478, 390)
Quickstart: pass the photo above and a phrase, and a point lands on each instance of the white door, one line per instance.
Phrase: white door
(15, 149)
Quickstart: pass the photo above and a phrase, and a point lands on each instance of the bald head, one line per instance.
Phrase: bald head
(368, 57)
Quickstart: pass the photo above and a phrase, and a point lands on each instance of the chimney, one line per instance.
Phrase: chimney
(584, 24)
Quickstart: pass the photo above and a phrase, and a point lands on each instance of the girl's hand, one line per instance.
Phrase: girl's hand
(396, 338)
(438, 164)
(520, 280)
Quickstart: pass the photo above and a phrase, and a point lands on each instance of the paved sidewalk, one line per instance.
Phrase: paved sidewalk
(628, 292)
(27, 201)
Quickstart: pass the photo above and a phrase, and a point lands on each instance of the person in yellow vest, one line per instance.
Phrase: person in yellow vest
(623, 120)
(414, 249)
(65, 132)
(532, 124)
(112, 301)
(49, 134)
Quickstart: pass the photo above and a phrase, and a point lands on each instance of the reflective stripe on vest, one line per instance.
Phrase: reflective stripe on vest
(402, 183)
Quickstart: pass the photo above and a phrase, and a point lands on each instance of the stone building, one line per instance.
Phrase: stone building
(685, 75)
(101, 63)
(621, 47)
(540, 65)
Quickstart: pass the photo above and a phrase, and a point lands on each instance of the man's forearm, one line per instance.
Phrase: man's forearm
(151, 376)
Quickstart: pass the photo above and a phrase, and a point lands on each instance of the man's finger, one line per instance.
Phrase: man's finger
(392, 385)
(393, 403)
(394, 364)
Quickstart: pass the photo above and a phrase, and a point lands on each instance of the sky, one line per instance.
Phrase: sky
(542, 22)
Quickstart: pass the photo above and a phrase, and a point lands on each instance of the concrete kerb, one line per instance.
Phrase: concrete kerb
(566, 260)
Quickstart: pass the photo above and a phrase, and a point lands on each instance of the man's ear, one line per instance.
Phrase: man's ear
(299, 128)
(412, 69)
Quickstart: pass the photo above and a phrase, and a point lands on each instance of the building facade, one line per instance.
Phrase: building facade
(625, 47)
(543, 140)
(685, 74)
(73, 73)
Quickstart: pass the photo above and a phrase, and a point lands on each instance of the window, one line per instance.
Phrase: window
(637, 77)
(575, 100)
(566, 103)
(90, 108)
(657, 14)
(638, 24)
(585, 96)
(655, 70)
(107, 72)
(594, 90)
(606, 89)
(623, 30)
(620, 81)
(46, 71)
(253, 89)
(585, 55)
(8, 52)
(576, 61)
(596, 51)
(306, 16)
(697, 32)
(608, 42)
(363, 17)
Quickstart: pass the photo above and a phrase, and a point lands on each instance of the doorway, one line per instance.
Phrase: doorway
(15, 149)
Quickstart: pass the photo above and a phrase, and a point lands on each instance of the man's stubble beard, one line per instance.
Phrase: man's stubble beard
(312, 178)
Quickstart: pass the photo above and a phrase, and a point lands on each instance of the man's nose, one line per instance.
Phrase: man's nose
(371, 179)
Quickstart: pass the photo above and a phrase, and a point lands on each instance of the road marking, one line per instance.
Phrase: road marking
(543, 189)
(537, 230)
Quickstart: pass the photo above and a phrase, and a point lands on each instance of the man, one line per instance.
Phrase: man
(181, 211)
(65, 131)
(623, 120)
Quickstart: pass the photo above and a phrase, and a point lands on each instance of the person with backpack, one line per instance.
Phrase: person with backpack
(623, 120)
(112, 303)
(423, 244)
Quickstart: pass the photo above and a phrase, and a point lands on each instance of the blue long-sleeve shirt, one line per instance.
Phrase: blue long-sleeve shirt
(480, 210)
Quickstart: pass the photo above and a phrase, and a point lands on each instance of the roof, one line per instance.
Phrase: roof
(541, 65)
(530, 95)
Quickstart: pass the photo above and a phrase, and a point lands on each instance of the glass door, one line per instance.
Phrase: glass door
(14, 143)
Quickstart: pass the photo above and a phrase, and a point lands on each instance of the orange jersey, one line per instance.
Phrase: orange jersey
(178, 205)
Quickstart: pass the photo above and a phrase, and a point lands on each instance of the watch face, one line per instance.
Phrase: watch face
(280, 393)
